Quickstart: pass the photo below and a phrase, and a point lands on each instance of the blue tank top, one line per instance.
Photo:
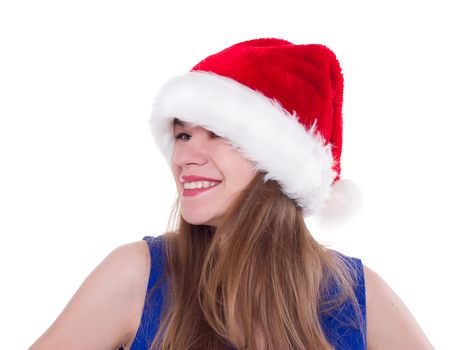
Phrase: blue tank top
(343, 330)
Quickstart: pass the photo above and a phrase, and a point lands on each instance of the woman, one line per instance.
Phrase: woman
(253, 135)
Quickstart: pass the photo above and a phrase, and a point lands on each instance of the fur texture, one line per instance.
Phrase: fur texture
(259, 127)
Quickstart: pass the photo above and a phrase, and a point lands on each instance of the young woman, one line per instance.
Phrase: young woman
(253, 135)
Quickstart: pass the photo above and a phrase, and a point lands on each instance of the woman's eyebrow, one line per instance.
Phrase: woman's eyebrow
(178, 122)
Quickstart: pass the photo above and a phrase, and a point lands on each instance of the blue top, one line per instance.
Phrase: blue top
(342, 328)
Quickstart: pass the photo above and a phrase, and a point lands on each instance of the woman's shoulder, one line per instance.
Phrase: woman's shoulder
(390, 324)
(132, 262)
(130, 265)
(108, 301)
(138, 258)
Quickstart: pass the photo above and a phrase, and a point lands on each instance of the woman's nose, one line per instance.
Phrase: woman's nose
(193, 151)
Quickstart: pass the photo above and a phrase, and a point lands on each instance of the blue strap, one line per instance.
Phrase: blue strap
(343, 328)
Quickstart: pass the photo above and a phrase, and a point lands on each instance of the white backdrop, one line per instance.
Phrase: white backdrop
(80, 174)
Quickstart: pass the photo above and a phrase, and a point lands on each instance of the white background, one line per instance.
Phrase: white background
(80, 173)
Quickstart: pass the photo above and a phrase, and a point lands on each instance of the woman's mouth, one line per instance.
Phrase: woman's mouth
(194, 192)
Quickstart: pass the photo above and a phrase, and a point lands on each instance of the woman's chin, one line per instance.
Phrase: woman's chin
(194, 220)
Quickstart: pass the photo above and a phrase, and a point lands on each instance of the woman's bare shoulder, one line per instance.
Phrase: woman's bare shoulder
(390, 325)
(139, 265)
(106, 309)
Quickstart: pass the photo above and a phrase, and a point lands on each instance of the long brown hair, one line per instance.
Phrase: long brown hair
(259, 270)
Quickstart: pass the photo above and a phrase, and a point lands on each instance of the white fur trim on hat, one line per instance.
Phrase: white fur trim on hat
(298, 158)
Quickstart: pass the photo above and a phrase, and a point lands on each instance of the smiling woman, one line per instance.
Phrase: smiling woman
(253, 136)
(205, 161)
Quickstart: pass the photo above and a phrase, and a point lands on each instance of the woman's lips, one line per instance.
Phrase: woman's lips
(196, 191)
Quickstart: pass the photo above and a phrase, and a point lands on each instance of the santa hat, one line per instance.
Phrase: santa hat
(277, 103)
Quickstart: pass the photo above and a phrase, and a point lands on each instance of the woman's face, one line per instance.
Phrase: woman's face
(199, 152)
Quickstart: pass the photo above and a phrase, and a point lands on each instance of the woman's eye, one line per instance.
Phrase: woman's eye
(178, 137)
(181, 135)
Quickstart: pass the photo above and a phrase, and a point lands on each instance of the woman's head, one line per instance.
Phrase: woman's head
(279, 104)
(198, 152)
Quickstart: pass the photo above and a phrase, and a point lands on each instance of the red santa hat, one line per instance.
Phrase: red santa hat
(277, 103)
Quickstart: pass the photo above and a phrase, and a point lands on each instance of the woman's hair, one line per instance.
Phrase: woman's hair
(259, 270)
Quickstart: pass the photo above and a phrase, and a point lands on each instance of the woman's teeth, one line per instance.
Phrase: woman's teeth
(198, 184)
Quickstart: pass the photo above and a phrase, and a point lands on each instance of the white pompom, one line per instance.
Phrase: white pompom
(343, 204)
